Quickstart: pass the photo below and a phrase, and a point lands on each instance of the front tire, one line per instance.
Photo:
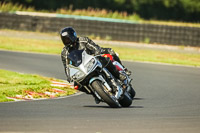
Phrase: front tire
(104, 94)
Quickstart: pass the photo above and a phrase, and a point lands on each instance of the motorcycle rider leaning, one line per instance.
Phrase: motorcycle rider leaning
(72, 42)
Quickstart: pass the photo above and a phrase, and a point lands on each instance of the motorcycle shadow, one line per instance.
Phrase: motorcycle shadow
(96, 106)
(106, 106)
(138, 98)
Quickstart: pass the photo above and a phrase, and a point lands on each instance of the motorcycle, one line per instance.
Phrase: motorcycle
(91, 76)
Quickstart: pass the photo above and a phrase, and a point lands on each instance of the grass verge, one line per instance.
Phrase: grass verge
(13, 83)
(30, 45)
(133, 54)
(158, 56)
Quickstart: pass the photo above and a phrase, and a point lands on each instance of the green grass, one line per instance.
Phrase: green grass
(159, 56)
(30, 45)
(13, 83)
(132, 54)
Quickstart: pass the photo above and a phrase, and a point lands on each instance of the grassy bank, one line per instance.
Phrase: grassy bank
(13, 83)
(30, 45)
(51, 46)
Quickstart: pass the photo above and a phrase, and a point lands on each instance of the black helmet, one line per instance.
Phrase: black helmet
(68, 36)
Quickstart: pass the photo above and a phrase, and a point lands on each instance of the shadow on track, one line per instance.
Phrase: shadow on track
(96, 106)
(138, 98)
(106, 106)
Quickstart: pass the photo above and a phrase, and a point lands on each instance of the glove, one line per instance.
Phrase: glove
(97, 52)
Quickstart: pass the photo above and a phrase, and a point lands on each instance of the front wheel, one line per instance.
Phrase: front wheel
(105, 94)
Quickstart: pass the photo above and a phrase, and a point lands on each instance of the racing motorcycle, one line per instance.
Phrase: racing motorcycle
(91, 76)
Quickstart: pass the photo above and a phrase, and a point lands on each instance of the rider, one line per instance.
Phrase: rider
(72, 42)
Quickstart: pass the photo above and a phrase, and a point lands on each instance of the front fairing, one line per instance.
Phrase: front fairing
(81, 64)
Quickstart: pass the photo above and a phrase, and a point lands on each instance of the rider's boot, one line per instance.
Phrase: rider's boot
(127, 71)
(122, 77)
(97, 101)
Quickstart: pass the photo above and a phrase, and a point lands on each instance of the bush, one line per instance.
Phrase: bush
(182, 10)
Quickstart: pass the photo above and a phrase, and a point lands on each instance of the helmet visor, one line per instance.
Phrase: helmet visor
(66, 40)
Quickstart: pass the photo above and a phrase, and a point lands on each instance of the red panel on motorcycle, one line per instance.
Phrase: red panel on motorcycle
(108, 55)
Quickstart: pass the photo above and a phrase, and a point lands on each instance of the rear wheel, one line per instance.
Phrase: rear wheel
(132, 92)
(103, 92)
(126, 101)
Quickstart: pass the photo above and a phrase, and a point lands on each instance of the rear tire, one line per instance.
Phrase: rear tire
(132, 92)
(104, 94)
(126, 101)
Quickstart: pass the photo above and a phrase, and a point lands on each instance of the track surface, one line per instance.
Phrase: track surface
(167, 100)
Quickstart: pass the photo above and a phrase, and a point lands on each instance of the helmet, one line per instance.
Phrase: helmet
(68, 36)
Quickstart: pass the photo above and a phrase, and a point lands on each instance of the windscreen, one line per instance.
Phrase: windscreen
(75, 57)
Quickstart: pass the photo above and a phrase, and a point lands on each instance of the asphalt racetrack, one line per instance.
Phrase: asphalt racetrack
(167, 100)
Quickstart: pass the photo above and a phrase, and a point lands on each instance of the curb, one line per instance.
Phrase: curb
(30, 95)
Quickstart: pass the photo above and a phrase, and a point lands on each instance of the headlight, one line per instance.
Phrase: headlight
(79, 75)
(89, 65)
